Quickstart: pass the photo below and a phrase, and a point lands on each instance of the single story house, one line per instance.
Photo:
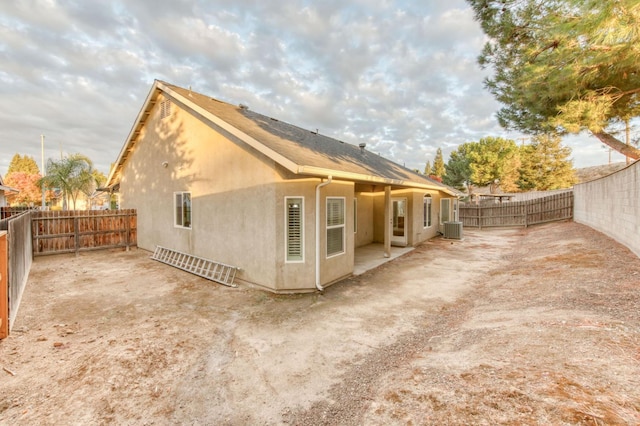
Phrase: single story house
(288, 206)
(3, 190)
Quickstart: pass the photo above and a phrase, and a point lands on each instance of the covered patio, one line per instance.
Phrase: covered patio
(372, 255)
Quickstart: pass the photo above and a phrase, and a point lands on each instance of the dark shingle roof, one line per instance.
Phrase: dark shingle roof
(299, 150)
(304, 147)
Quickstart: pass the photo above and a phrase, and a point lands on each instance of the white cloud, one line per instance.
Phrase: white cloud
(398, 75)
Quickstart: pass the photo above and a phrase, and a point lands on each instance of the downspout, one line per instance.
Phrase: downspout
(320, 185)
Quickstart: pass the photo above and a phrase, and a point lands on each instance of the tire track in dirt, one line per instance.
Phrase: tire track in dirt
(348, 400)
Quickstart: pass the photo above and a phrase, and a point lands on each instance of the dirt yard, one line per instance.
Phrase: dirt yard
(536, 326)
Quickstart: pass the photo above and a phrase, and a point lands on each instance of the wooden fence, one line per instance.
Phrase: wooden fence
(522, 213)
(20, 259)
(74, 231)
(6, 212)
(15, 263)
(4, 283)
(34, 233)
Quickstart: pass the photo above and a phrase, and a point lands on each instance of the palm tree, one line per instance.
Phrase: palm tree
(71, 175)
(90, 191)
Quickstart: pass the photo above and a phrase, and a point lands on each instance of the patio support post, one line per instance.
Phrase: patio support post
(387, 221)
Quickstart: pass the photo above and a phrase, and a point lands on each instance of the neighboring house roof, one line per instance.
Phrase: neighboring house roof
(6, 188)
(301, 151)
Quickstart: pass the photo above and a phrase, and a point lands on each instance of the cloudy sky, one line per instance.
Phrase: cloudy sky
(399, 75)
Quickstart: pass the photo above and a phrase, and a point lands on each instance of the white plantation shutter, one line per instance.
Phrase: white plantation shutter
(182, 208)
(178, 206)
(335, 226)
(295, 246)
(444, 210)
(426, 213)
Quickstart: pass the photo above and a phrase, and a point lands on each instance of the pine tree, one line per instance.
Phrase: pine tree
(458, 172)
(428, 171)
(494, 162)
(563, 65)
(546, 165)
(438, 165)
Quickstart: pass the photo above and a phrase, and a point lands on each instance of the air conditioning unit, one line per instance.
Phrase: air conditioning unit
(453, 230)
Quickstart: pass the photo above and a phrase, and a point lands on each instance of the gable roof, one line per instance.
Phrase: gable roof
(6, 188)
(300, 151)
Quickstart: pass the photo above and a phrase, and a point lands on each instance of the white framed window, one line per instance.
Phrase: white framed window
(182, 209)
(294, 229)
(355, 215)
(445, 210)
(426, 211)
(335, 226)
(455, 209)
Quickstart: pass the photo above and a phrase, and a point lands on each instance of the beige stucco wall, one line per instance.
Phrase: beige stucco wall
(232, 218)
(295, 276)
(341, 265)
(416, 233)
(364, 234)
(612, 205)
(421, 233)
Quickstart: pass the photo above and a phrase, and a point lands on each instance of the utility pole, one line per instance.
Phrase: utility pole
(43, 171)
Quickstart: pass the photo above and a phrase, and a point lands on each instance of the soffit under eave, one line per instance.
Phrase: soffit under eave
(8, 189)
(374, 181)
(141, 119)
(231, 129)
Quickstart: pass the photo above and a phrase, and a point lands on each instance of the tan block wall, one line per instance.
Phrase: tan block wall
(611, 205)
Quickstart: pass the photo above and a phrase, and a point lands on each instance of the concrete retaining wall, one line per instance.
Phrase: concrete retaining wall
(612, 206)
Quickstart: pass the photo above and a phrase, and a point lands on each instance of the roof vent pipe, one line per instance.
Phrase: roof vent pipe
(362, 147)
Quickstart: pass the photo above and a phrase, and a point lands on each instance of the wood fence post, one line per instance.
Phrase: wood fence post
(4, 287)
(77, 234)
(127, 227)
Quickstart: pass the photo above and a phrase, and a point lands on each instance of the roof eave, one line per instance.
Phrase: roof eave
(359, 177)
(8, 189)
(131, 138)
(159, 86)
(260, 147)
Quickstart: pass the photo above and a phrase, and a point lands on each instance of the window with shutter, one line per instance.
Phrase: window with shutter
(294, 214)
(335, 226)
(426, 211)
(182, 209)
(444, 210)
(355, 215)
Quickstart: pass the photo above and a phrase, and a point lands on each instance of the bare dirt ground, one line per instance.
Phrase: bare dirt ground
(535, 326)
